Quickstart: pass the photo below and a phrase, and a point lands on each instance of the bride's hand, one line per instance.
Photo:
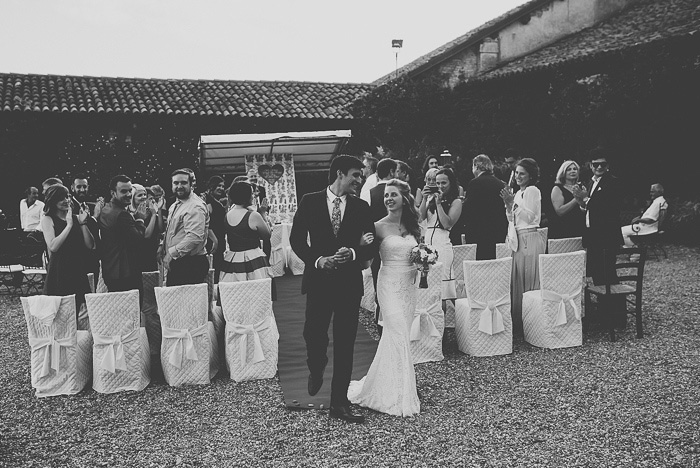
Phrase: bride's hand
(366, 239)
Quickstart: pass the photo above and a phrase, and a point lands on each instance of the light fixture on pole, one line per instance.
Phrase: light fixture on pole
(397, 44)
(445, 157)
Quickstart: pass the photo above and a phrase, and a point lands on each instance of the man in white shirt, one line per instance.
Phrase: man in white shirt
(648, 223)
(369, 172)
(30, 210)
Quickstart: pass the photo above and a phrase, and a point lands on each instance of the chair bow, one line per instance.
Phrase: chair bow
(278, 255)
(491, 321)
(562, 299)
(244, 331)
(114, 358)
(427, 314)
(179, 353)
(461, 287)
(51, 348)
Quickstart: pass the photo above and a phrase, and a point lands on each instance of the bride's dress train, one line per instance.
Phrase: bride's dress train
(390, 383)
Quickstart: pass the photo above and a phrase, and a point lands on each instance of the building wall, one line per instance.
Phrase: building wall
(554, 20)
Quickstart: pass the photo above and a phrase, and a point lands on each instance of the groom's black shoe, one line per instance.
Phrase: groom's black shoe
(344, 413)
(315, 383)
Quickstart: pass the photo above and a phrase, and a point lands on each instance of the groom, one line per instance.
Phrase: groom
(333, 221)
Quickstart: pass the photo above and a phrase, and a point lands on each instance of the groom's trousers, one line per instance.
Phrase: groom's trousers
(321, 305)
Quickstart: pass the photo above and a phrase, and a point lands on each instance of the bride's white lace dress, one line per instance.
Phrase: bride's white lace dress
(390, 383)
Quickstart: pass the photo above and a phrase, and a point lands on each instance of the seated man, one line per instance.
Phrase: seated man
(648, 223)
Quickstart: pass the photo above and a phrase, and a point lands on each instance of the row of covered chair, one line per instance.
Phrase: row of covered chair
(193, 335)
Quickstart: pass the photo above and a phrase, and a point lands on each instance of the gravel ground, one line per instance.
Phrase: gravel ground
(631, 403)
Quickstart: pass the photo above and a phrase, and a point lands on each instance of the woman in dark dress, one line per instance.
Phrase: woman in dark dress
(68, 241)
(245, 230)
(568, 219)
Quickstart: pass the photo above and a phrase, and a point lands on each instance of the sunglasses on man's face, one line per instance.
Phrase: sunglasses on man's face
(599, 164)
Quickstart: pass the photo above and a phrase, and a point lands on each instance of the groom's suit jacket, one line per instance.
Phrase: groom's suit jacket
(312, 219)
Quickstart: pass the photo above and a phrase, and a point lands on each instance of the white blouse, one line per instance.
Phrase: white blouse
(527, 208)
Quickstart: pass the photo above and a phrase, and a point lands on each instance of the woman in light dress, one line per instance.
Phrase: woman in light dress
(390, 383)
(442, 209)
(524, 210)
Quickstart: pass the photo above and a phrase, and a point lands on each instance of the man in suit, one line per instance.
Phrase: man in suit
(333, 220)
(120, 236)
(483, 221)
(601, 201)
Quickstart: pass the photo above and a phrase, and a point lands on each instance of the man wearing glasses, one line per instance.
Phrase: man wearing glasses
(601, 201)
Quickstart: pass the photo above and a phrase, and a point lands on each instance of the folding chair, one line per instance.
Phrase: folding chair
(61, 361)
(552, 314)
(121, 356)
(484, 326)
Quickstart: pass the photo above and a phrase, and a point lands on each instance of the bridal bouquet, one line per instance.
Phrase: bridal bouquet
(423, 255)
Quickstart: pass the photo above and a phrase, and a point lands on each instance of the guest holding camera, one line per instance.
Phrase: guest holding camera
(441, 208)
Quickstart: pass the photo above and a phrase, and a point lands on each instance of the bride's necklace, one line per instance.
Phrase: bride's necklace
(401, 230)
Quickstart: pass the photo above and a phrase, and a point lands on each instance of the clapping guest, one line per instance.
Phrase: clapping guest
(68, 240)
(145, 208)
(524, 210)
(442, 209)
(569, 220)
(245, 229)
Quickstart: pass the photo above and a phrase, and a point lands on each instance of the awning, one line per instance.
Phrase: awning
(313, 151)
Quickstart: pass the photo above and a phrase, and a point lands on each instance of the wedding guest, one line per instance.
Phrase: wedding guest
(183, 251)
(569, 220)
(122, 237)
(80, 191)
(483, 221)
(431, 162)
(648, 223)
(149, 211)
(442, 210)
(524, 210)
(429, 180)
(30, 210)
(245, 230)
(217, 222)
(601, 201)
(48, 183)
(403, 172)
(369, 172)
(68, 239)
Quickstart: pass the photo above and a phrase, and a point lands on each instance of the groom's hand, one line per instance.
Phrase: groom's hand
(343, 255)
(326, 263)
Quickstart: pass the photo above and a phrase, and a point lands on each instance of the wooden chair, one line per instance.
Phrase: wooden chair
(654, 241)
(630, 274)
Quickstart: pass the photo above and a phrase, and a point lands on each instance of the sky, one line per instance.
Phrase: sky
(276, 40)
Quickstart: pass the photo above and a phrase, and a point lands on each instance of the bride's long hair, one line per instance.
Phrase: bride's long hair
(409, 217)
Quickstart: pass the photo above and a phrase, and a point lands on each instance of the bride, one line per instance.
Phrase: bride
(390, 384)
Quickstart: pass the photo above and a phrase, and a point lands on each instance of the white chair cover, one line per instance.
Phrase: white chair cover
(189, 351)
(251, 331)
(503, 251)
(484, 325)
(368, 299)
(461, 253)
(428, 323)
(552, 315)
(101, 287)
(278, 254)
(296, 265)
(61, 360)
(569, 244)
(544, 233)
(120, 354)
(151, 322)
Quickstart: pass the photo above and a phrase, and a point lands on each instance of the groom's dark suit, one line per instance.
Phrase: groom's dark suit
(335, 293)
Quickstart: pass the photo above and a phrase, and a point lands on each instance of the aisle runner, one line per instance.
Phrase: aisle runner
(289, 312)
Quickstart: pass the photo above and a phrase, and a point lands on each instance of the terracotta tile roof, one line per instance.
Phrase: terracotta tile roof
(83, 94)
(642, 23)
(466, 40)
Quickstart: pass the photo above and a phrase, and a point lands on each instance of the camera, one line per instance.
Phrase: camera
(433, 188)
